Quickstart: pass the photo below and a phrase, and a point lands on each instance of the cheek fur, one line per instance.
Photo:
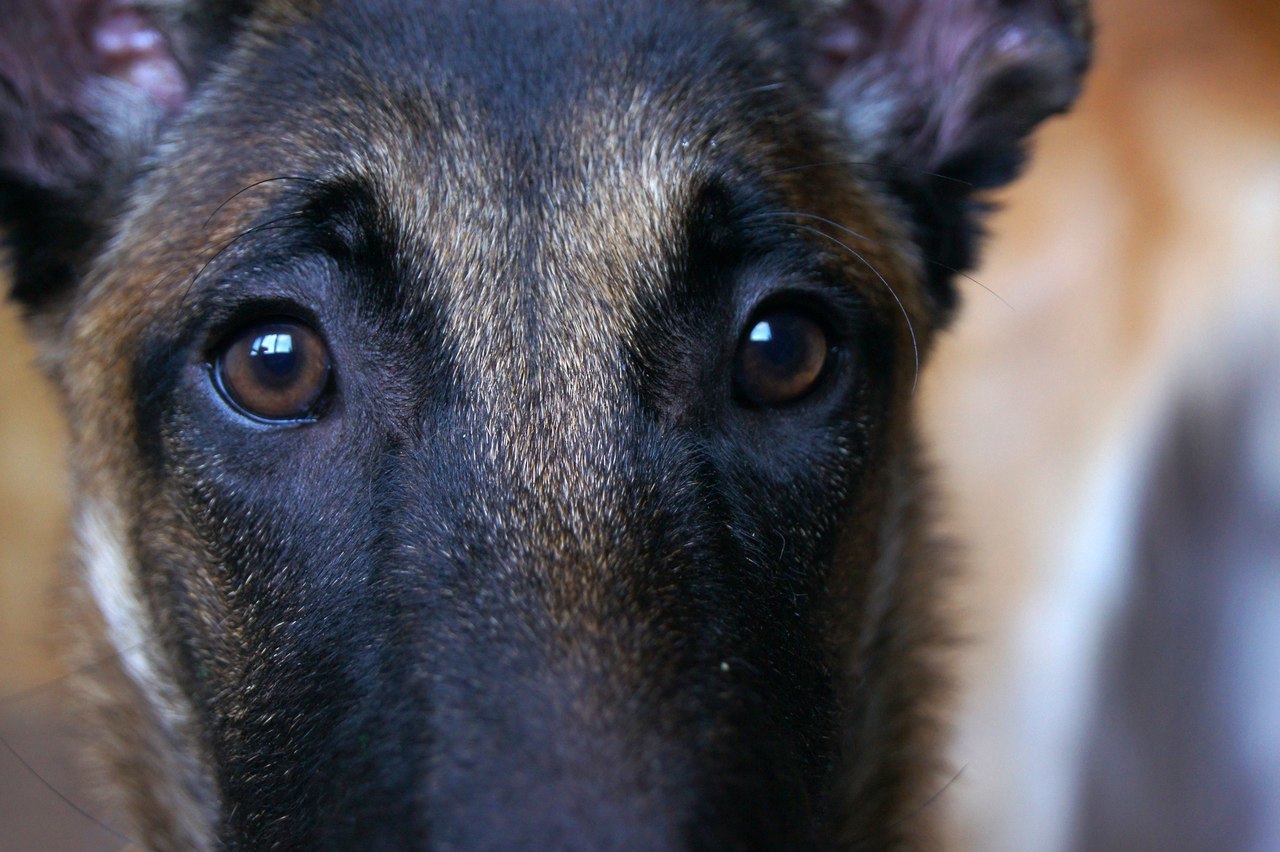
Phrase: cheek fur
(113, 586)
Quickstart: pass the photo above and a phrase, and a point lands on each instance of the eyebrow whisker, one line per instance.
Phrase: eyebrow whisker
(255, 185)
(800, 214)
(915, 343)
(868, 164)
(277, 224)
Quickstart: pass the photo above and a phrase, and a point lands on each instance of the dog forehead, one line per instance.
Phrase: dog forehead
(537, 162)
(543, 152)
(508, 113)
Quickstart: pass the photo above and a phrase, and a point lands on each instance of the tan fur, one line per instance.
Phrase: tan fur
(455, 199)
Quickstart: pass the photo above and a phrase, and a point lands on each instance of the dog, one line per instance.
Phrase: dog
(492, 422)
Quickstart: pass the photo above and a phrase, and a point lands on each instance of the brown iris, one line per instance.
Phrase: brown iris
(780, 359)
(275, 370)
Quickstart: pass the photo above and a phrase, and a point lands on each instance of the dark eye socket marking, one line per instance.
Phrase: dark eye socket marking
(781, 358)
(275, 370)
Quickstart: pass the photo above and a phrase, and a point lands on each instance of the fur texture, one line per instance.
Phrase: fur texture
(533, 572)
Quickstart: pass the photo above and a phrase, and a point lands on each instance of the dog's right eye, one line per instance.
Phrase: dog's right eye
(276, 370)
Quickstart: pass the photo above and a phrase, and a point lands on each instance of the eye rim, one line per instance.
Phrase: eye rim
(320, 403)
(805, 309)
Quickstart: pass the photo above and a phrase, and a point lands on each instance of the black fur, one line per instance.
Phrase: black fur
(546, 581)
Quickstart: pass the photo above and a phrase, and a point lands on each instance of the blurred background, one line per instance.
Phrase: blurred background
(1107, 434)
(1109, 450)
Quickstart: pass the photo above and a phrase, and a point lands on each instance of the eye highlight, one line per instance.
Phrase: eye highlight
(780, 359)
(276, 370)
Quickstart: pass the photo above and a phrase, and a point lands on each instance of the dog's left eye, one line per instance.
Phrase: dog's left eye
(780, 359)
(276, 370)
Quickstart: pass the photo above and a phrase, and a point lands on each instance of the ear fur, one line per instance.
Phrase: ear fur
(942, 96)
(952, 87)
(83, 86)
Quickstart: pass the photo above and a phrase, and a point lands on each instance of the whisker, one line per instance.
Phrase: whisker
(972, 280)
(915, 343)
(271, 225)
(767, 87)
(115, 654)
(786, 214)
(66, 800)
(868, 164)
(929, 260)
(31, 692)
(255, 185)
(21, 696)
(937, 794)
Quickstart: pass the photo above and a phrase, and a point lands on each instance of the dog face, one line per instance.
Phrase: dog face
(492, 420)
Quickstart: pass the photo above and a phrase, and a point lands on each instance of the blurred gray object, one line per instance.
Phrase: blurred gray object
(1182, 751)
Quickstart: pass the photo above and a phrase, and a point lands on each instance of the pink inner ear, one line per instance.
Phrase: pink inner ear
(130, 48)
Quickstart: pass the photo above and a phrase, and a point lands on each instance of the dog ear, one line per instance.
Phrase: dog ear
(942, 95)
(84, 86)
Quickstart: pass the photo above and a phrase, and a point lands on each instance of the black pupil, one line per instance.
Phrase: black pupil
(782, 344)
(276, 358)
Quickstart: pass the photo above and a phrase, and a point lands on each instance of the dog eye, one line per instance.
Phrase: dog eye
(780, 359)
(275, 370)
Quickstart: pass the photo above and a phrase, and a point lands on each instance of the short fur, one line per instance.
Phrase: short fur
(535, 576)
